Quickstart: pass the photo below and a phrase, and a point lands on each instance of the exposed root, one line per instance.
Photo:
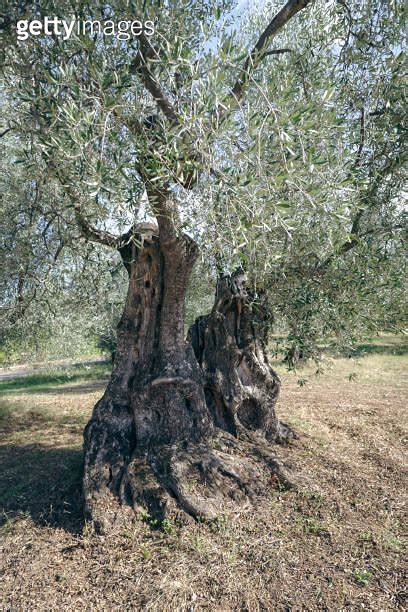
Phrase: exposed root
(141, 489)
(204, 481)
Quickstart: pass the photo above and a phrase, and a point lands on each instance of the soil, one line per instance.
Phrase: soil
(335, 543)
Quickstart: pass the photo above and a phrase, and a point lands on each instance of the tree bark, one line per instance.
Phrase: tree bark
(177, 428)
(241, 388)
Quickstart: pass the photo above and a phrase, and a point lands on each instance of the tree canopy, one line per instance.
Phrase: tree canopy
(283, 150)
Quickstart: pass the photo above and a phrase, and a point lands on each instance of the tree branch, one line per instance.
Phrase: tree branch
(94, 234)
(139, 67)
(362, 136)
(131, 123)
(259, 52)
(277, 52)
(88, 231)
(6, 131)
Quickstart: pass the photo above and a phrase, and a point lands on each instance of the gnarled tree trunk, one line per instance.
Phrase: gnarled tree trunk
(241, 388)
(178, 428)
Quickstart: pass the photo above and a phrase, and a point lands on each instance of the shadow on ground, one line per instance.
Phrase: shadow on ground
(43, 482)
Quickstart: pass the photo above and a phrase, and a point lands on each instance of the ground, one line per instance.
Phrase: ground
(335, 543)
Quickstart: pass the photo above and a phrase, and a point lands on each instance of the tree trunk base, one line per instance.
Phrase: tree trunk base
(182, 427)
(203, 481)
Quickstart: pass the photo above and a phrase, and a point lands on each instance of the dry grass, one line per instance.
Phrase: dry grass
(337, 543)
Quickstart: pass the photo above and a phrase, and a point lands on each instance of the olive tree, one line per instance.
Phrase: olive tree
(236, 144)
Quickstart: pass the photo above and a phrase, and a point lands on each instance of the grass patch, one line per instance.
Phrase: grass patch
(381, 349)
(398, 544)
(362, 576)
(54, 377)
(302, 425)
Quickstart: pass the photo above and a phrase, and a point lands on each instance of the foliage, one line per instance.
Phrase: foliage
(302, 182)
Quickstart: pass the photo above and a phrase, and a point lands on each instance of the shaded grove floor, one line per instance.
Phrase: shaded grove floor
(335, 543)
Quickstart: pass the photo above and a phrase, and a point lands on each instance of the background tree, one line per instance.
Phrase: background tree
(264, 160)
(60, 294)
